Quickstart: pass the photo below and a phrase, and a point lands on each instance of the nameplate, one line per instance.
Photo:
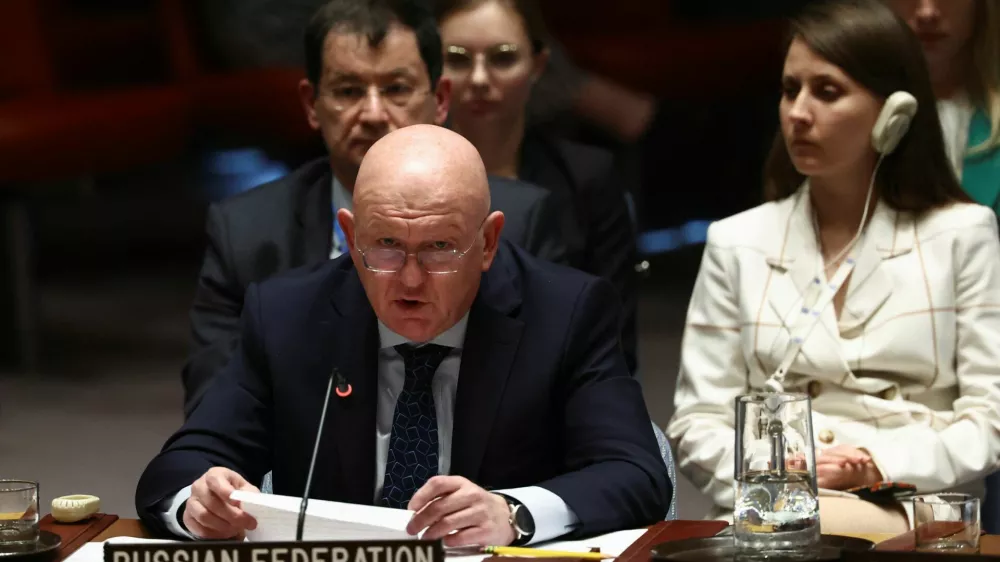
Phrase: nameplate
(283, 551)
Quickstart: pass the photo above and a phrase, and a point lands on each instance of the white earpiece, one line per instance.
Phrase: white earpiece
(893, 122)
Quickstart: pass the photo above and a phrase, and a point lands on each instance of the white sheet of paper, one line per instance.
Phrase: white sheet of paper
(611, 543)
(94, 551)
(277, 517)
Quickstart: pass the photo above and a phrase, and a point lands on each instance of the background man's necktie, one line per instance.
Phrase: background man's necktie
(413, 445)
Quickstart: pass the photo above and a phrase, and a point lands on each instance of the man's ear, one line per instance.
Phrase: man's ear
(491, 233)
(346, 220)
(307, 97)
(442, 98)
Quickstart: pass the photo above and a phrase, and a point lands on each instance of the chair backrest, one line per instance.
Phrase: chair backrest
(668, 459)
(267, 486)
(991, 505)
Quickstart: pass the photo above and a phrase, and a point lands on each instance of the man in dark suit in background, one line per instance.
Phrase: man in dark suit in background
(372, 67)
(472, 360)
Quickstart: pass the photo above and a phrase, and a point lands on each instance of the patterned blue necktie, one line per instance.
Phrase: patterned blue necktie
(413, 445)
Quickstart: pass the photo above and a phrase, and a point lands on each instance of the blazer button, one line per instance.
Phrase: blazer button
(826, 437)
(814, 388)
(889, 393)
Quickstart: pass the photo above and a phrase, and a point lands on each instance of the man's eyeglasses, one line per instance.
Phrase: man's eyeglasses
(400, 95)
(431, 259)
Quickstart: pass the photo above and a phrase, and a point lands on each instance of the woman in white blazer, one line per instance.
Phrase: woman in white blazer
(903, 366)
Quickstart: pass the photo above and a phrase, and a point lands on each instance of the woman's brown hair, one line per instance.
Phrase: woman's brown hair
(531, 16)
(878, 50)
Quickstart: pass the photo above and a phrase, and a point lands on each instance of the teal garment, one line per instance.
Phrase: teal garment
(981, 172)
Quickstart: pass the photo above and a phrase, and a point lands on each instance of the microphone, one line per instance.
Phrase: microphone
(343, 390)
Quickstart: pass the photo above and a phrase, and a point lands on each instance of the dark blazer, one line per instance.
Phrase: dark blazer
(600, 231)
(287, 224)
(543, 396)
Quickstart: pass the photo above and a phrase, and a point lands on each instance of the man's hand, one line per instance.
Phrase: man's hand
(210, 514)
(842, 467)
(451, 503)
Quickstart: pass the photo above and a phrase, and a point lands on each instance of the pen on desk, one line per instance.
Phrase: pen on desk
(540, 553)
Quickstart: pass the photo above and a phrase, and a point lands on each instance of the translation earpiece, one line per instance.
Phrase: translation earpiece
(893, 122)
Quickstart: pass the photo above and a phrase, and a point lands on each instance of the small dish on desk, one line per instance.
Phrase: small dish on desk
(43, 548)
(722, 548)
(75, 508)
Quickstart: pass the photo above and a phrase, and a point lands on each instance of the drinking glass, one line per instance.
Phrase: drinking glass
(776, 510)
(18, 512)
(946, 522)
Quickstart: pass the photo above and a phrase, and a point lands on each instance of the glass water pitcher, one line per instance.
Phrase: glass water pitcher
(777, 508)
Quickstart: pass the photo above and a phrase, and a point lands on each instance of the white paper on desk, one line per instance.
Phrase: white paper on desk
(277, 517)
(94, 551)
(611, 543)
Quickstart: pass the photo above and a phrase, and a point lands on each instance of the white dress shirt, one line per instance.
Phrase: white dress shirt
(553, 518)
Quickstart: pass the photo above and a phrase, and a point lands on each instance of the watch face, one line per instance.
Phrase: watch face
(525, 522)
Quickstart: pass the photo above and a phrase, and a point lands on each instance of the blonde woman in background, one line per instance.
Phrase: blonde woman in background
(961, 42)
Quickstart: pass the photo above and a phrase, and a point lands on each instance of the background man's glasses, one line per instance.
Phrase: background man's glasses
(346, 98)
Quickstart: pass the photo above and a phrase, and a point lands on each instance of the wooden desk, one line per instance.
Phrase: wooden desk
(988, 544)
(125, 528)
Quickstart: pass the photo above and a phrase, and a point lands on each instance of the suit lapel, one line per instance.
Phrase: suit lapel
(349, 431)
(314, 220)
(793, 261)
(795, 266)
(491, 342)
(888, 234)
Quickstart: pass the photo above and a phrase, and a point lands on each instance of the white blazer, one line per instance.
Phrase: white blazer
(910, 372)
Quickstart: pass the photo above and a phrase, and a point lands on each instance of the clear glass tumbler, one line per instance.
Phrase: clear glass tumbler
(776, 510)
(18, 512)
(946, 522)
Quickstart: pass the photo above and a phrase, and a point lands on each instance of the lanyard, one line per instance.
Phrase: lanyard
(809, 315)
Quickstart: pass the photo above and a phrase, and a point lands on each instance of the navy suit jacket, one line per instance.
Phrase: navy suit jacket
(544, 397)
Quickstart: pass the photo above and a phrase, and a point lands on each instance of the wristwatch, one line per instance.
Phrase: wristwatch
(520, 521)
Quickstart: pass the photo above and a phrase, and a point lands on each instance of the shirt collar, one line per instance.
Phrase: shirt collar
(453, 337)
(341, 198)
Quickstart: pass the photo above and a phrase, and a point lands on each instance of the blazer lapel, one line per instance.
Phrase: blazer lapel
(793, 261)
(314, 219)
(491, 342)
(795, 266)
(888, 234)
(349, 431)
(981, 172)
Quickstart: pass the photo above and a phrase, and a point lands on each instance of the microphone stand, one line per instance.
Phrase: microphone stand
(312, 464)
